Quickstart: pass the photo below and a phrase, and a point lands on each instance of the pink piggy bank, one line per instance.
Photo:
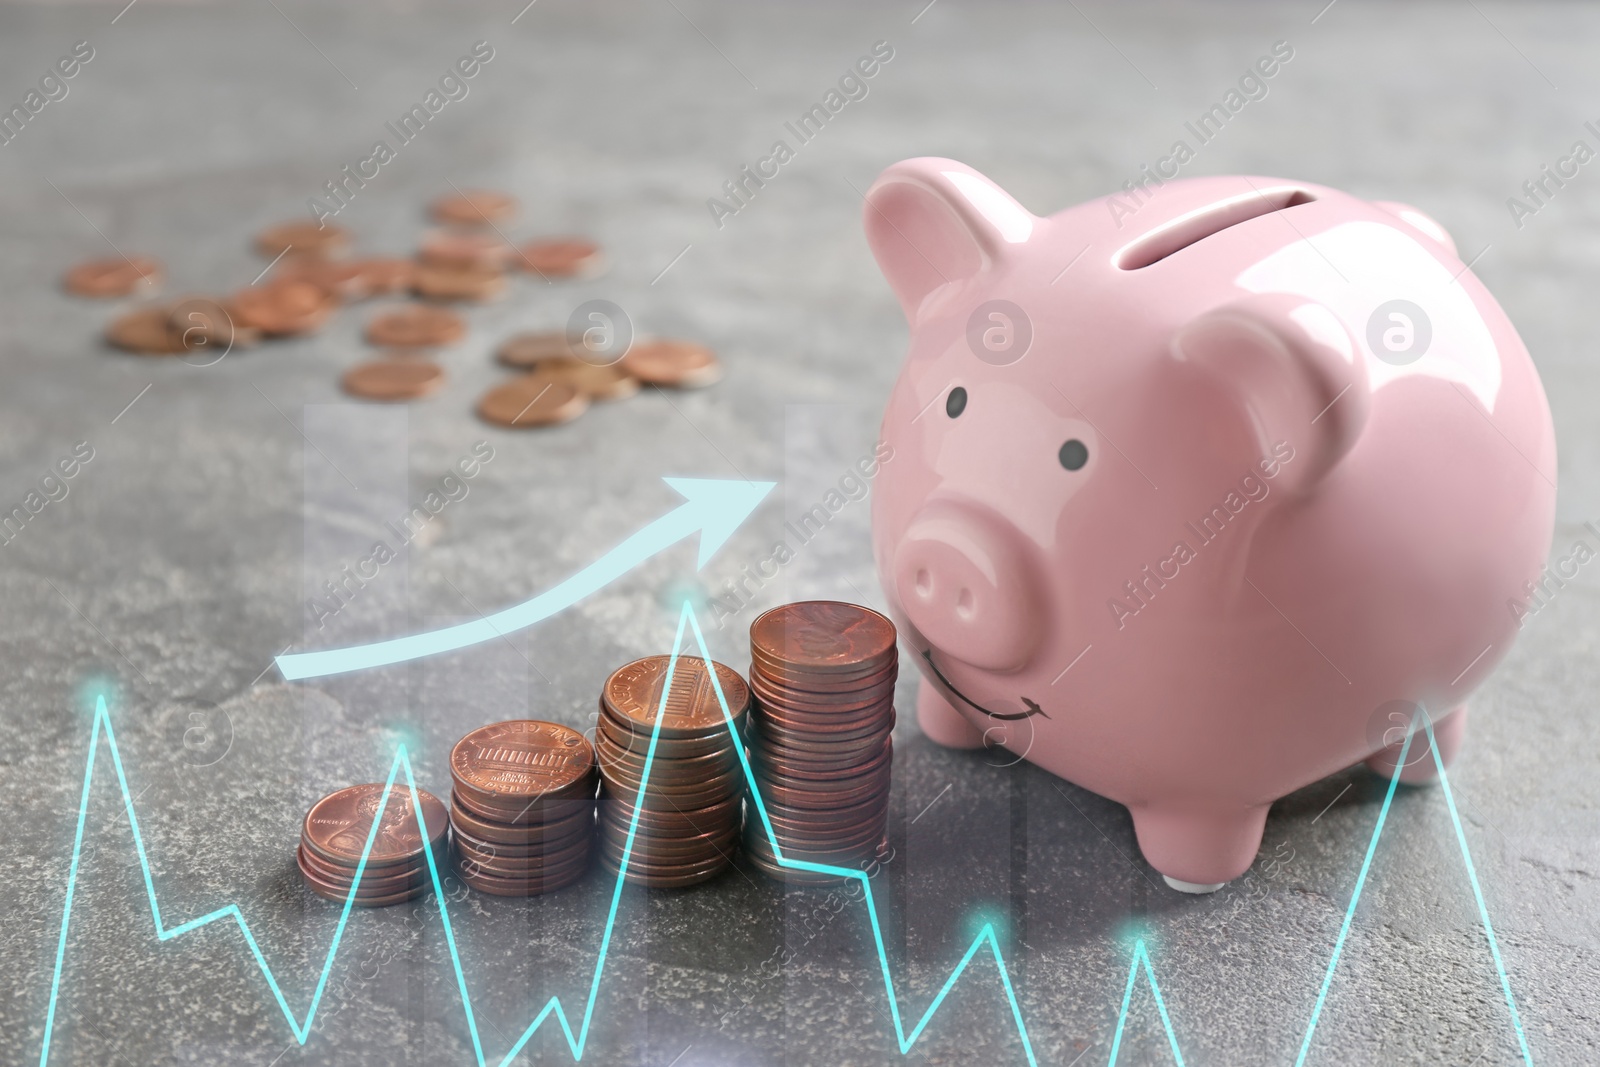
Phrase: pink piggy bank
(1194, 486)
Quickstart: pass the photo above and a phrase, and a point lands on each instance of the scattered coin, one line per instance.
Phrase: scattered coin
(475, 207)
(822, 677)
(567, 257)
(283, 307)
(112, 277)
(206, 329)
(526, 350)
(145, 330)
(482, 249)
(594, 381)
(304, 238)
(393, 379)
(522, 807)
(532, 400)
(350, 279)
(681, 364)
(416, 326)
(477, 284)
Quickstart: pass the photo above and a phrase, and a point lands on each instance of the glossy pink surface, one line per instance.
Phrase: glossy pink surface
(1273, 529)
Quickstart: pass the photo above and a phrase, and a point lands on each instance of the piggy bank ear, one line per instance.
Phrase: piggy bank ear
(932, 221)
(1295, 371)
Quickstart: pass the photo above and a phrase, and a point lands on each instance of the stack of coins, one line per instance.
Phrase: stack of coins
(822, 674)
(335, 833)
(521, 807)
(690, 808)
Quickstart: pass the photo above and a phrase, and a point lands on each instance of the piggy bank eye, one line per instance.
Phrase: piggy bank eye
(956, 402)
(1073, 454)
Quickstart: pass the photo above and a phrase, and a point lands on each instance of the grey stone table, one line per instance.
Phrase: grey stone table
(220, 498)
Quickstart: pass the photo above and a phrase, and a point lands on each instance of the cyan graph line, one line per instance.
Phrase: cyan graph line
(576, 1042)
(1420, 722)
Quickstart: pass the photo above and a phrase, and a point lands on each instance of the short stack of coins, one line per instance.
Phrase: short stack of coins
(522, 807)
(335, 834)
(690, 808)
(822, 675)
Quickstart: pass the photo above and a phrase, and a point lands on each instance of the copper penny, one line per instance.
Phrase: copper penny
(283, 306)
(205, 328)
(532, 400)
(527, 350)
(824, 636)
(112, 277)
(634, 692)
(527, 815)
(597, 382)
(653, 877)
(523, 887)
(416, 326)
(478, 284)
(470, 822)
(562, 257)
(337, 826)
(145, 330)
(349, 279)
(304, 238)
(393, 379)
(474, 207)
(479, 249)
(521, 760)
(373, 879)
(680, 364)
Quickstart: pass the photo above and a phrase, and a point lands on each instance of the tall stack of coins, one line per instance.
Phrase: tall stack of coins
(521, 807)
(690, 808)
(822, 674)
(335, 834)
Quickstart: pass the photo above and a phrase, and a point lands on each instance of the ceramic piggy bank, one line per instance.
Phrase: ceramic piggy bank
(1194, 485)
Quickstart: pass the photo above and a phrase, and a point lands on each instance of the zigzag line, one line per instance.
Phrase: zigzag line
(1420, 722)
(577, 1042)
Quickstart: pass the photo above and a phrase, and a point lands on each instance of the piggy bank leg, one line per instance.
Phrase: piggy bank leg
(1420, 769)
(942, 723)
(1199, 849)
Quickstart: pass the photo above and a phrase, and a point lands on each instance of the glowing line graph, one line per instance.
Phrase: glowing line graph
(577, 1041)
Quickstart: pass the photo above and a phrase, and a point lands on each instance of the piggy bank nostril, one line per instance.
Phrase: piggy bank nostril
(924, 581)
(964, 603)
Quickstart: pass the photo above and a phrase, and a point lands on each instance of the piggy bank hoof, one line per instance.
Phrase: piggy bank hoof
(1197, 888)
(1420, 767)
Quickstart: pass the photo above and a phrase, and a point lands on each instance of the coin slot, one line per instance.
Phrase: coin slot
(1185, 230)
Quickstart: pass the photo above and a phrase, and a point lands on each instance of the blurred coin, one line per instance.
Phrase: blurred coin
(305, 238)
(112, 277)
(393, 379)
(679, 364)
(563, 257)
(145, 330)
(532, 400)
(283, 306)
(416, 326)
(480, 249)
(527, 350)
(474, 207)
(477, 284)
(596, 382)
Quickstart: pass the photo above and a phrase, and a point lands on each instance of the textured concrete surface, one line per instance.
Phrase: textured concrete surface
(180, 560)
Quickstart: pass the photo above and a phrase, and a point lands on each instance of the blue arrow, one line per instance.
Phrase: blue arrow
(713, 506)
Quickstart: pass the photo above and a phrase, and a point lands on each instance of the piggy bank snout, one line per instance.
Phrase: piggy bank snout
(966, 583)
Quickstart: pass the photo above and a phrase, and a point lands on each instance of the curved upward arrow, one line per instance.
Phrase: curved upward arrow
(713, 506)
